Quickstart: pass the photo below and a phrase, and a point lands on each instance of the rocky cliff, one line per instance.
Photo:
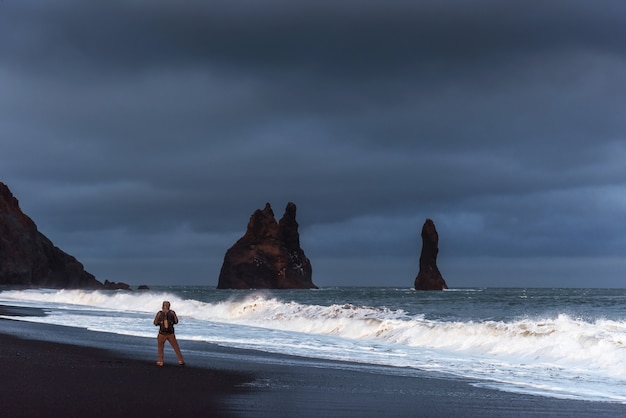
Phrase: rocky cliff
(429, 277)
(28, 258)
(268, 256)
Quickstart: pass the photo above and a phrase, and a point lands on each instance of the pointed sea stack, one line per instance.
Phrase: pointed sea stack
(28, 258)
(268, 256)
(429, 277)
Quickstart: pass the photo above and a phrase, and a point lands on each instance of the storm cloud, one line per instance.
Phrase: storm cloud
(141, 135)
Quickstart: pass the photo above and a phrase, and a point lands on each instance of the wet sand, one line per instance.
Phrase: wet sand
(51, 371)
(44, 379)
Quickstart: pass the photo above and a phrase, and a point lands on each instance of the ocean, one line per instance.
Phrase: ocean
(560, 343)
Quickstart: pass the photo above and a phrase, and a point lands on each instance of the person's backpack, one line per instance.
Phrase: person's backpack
(167, 325)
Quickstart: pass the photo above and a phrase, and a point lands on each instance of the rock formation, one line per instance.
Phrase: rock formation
(116, 286)
(268, 256)
(429, 277)
(28, 258)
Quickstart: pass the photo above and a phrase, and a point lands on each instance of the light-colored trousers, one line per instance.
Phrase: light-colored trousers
(161, 338)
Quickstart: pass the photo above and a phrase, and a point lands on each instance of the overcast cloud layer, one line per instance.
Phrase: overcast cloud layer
(141, 135)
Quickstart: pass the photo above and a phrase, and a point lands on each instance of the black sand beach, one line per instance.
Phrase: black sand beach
(51, 371)
(44, 379)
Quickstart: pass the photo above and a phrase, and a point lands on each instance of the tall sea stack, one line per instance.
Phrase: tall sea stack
(429, 277)
(28, 258)
(268, 256)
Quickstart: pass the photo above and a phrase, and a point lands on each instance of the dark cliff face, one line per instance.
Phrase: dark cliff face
(268, 256)
(298, 271)
(429, 277)
(28, 258)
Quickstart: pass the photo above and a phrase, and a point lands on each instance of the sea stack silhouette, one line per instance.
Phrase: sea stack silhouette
(268, 256)
(429, 277)
(28, 258)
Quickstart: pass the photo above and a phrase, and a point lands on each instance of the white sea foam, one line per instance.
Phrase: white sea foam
(559, 356)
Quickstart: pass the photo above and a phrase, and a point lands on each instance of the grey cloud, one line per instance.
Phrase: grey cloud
(323, 36)
(170, 122)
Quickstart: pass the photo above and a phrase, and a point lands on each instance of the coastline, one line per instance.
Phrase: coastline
(61, 371)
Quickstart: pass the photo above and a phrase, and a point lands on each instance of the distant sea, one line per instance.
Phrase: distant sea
(561, 343)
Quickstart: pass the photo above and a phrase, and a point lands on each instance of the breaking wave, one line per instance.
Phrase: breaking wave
(560, 355)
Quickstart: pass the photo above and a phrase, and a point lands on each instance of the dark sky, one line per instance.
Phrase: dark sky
(141, 135)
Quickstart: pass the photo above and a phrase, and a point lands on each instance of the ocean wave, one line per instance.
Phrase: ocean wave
(558, 354)
(561, 339)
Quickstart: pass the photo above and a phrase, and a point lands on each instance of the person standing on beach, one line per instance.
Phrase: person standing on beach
(165, 320)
